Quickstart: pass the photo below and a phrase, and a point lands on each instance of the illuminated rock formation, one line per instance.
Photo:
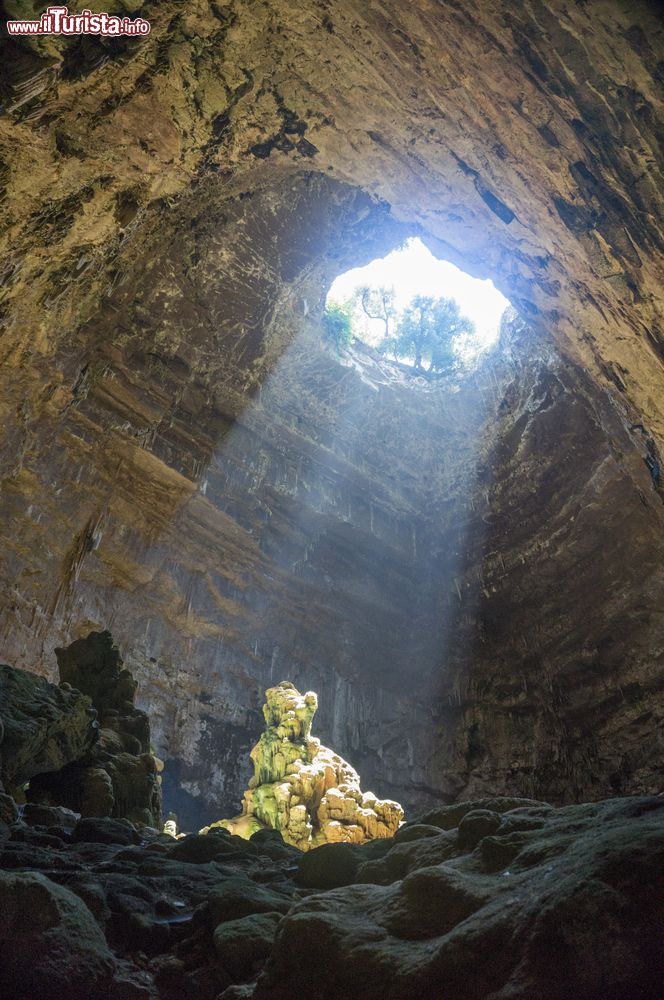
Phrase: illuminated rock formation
(305, 790)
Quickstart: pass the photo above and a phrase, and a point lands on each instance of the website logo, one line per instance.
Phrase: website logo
(58, 21)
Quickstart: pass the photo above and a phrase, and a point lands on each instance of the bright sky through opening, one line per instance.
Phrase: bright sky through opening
(415, 271)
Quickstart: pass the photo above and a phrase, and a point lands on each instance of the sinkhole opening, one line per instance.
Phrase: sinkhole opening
(416, 310)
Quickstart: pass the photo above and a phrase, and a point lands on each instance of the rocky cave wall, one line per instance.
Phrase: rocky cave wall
(473, 588)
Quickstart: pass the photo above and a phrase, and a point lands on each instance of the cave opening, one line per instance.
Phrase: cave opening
(378, 298)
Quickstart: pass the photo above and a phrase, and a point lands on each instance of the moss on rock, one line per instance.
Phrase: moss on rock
(303, 789)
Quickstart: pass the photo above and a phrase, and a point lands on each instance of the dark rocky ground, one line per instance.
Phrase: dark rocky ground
(500, 898)
(493, 898)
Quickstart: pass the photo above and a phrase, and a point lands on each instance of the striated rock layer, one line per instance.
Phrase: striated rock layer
(304, 790)
(470, 577)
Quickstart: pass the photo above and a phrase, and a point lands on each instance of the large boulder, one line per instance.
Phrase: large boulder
(303, 789)
(242, 945)
(119, 776)
(94, 665)
(44, 727)
(105, 783)
(328, 867)
(50, 944)
(102, 830)
(241, 897)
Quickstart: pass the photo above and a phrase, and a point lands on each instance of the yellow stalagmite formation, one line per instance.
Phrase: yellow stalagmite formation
(305, 790)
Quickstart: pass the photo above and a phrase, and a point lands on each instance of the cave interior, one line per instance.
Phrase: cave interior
(202, 498)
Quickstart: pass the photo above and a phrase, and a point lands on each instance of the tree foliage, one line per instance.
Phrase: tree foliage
(429, 332)
(378, 304)
(338, 324)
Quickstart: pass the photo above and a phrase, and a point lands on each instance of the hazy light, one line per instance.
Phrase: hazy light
(415, 271)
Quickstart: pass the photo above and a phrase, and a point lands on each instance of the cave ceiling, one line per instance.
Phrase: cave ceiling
(523, 139)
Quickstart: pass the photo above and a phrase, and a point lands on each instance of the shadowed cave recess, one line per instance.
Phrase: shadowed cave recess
(467, 569)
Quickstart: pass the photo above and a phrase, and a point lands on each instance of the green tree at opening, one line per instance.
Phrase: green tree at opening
(429, 331)
(378, 304)
(338, 324)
